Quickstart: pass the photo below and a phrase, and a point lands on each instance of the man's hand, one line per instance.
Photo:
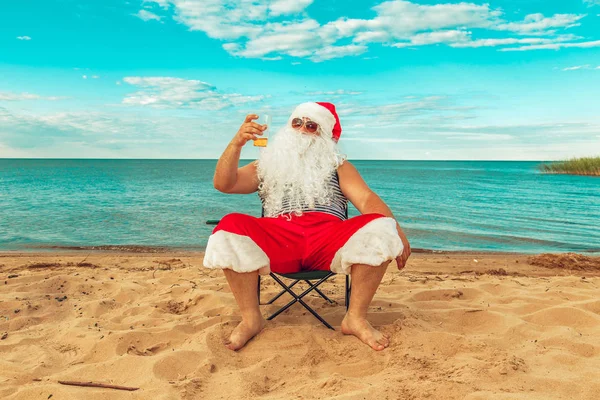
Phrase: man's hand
(402, 258)
(248, 131)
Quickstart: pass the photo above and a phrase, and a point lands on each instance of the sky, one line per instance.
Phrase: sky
(412, 80)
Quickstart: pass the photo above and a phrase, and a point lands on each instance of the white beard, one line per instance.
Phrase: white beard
(297, 167)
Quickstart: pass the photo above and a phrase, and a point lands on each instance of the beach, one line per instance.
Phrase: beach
(463, 326)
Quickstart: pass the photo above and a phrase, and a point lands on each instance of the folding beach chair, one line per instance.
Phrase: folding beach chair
(309, 277)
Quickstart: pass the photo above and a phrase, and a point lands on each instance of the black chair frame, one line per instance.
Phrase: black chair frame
(308, 277)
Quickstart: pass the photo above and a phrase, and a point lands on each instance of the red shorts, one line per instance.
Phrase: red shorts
(297, 243)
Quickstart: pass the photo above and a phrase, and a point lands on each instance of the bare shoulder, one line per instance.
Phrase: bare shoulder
(353, 185)
(347, 170)
(349, 176)
(344, 166)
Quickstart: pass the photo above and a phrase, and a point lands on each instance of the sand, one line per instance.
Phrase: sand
(463, 326)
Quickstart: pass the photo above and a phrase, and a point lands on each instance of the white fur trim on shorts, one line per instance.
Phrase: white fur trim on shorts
(236, 252)
(373, 244)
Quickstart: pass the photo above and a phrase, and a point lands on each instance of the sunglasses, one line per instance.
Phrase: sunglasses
(310, 126)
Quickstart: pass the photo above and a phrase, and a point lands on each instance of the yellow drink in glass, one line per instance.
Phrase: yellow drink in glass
(262, 140)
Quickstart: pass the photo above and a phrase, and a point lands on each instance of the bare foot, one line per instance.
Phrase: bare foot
(362, 329)
(245, 331)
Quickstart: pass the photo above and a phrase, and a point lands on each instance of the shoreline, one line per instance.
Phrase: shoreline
(165, 250)
(479, 263)
(199, 253)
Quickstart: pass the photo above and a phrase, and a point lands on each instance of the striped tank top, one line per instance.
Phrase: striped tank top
(338, 206)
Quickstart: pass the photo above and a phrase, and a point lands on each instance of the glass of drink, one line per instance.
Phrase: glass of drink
(261, 141)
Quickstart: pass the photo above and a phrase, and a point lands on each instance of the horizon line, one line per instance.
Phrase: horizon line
(251, 159)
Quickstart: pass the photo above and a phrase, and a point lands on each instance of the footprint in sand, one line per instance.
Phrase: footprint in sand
(179, 364)
(148, 351)
(144, 343)
(446, 295)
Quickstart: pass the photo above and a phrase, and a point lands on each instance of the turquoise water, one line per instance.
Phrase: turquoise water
(442, 205)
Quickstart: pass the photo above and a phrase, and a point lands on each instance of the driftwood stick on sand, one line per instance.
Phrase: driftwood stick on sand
(99, 385)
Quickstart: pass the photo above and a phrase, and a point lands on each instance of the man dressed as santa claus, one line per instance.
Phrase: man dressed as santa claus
(304, 184)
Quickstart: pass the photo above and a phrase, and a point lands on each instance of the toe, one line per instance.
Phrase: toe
(375, 345)
(378, 347)
(230, 346)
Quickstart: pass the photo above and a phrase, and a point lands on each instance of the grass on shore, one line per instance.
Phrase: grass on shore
(574, 166)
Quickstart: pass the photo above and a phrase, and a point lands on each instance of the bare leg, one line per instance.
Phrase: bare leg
(365, 281)
(243, 286)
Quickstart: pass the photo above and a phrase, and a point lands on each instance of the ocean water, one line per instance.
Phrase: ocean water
(441, 205)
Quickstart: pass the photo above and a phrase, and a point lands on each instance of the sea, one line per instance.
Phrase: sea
(481, 206)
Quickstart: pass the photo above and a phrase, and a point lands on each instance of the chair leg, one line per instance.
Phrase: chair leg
(298, 298)
(258, 289)
(281, 293)
(348, 289)
(320, 293)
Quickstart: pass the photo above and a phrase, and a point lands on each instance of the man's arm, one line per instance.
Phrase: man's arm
(228, 177)
(231, 179)
(366, 201)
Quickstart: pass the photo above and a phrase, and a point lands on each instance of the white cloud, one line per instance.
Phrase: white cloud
(399, 112)
(408, 126)
(8, 96)
(591, 3)
(284, 7)
(384, 140)
(221, 19)
(295, 39)
(578, 67)
(486, 137)
(575, 68)
(95, 134)
(84, 76)
(245, 25)
(538, 24)
(555, 46)
(449, 36)
(169, 92)
(122, 134)
(270, 30)
(23, 38)
(372, 37)
(146, 15)
(339, 92)
(161, 3)
(329, 52)
(506, 41)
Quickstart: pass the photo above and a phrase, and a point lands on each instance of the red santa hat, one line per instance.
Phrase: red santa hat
(323, 114)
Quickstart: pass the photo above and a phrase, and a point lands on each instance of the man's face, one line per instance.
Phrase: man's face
(306, 126)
